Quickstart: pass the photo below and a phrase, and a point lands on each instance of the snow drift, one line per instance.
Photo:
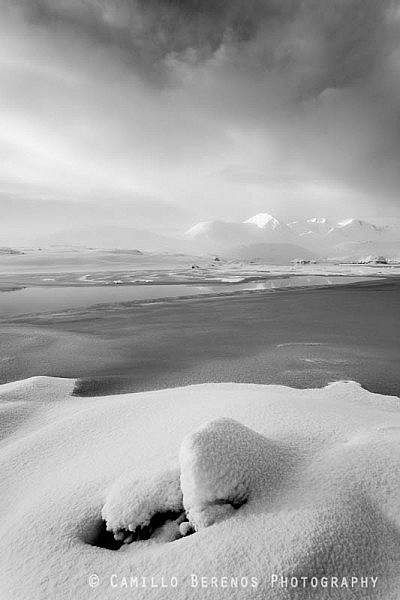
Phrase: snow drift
(277, 482)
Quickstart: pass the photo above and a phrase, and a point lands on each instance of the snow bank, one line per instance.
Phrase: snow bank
(281, 484)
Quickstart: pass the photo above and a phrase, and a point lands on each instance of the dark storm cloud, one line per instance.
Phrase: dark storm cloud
(329, 43)
(158, 26)
(144, 32)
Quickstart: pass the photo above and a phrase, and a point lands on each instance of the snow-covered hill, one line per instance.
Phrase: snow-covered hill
(222, 234)
(366, 251)
(114, 237)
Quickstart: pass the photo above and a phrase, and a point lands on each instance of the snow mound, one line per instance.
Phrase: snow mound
(278, 482)
(223, 465)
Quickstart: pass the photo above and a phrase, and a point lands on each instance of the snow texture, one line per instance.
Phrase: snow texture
(318, 471)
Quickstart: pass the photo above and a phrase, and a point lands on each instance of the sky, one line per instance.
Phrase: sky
(162, 113)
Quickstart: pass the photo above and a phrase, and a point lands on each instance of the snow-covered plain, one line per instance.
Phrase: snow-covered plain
(277, 482)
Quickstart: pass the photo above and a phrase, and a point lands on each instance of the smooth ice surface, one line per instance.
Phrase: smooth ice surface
(320, 470)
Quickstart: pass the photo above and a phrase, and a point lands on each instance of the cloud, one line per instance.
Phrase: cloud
(217, 108)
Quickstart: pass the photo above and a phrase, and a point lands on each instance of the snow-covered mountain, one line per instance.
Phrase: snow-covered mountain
(354, 239)
(313, 226)
(355, 230)
(262, 228)
(265, 221)
(349, 239)
(223, 233)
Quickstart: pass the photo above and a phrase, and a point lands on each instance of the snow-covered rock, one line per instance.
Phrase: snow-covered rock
(133, 501)
(223, 465)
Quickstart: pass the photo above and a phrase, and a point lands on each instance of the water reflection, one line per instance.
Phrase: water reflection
(52, 298)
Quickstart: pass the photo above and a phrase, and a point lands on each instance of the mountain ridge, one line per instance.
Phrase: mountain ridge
(350, 238)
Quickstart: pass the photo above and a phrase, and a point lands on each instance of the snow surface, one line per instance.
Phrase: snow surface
(319, 471)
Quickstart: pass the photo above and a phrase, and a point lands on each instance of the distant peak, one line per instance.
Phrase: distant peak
(199, 228)
(346, 222)
(317, 220)
(355, 223)
(263, 220)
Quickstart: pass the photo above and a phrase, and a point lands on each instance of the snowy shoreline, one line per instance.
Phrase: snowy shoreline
(57, 294)
(321, 494)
